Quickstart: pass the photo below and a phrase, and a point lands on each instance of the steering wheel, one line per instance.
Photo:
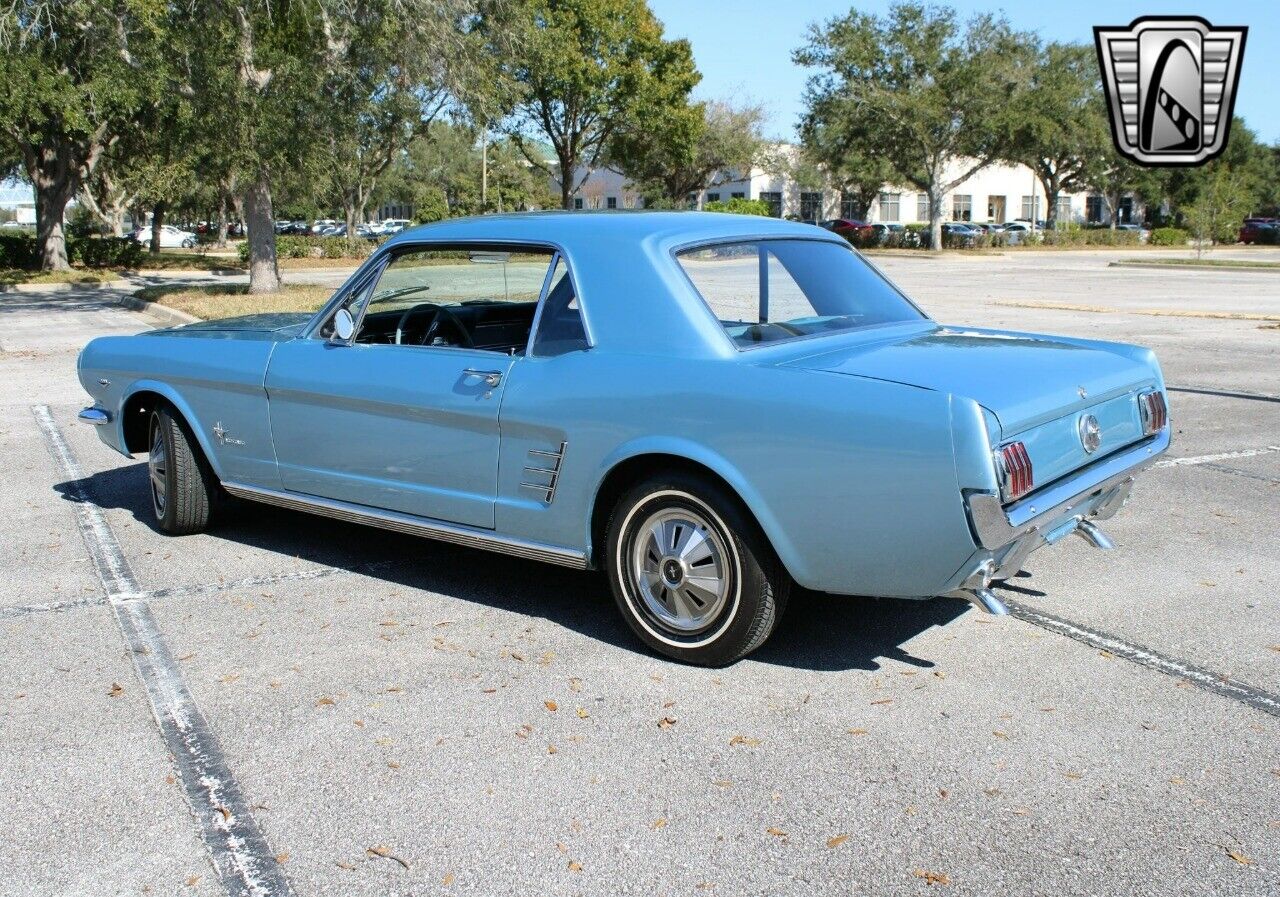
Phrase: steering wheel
(444, 316)
(410, 313)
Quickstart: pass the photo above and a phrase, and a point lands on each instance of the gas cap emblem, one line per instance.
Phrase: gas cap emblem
(1090, 433)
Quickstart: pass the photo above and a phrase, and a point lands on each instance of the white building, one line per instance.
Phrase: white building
(998, 193)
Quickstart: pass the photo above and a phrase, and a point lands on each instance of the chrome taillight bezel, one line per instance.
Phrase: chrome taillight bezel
(1014, 471)
(1153, 411)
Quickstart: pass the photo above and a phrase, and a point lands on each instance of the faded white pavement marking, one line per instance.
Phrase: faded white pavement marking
(1220, 456)
(244, 863)
(1180, 669)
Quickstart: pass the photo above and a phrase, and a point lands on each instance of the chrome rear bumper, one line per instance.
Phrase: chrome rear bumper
(95, 416)
(1096, 491)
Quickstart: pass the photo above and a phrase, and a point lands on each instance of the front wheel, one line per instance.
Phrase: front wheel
(692, 573)
(188, 243)
(183, 487)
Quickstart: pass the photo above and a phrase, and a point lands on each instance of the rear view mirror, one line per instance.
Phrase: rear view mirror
(344, 326)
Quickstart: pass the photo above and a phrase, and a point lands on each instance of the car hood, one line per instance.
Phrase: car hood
(270, 326)
(1024, 379)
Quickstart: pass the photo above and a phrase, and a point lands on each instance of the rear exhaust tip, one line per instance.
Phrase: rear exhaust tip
(986, 600)
(1094, 536)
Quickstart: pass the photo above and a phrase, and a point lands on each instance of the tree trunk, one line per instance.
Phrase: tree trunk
(935, 219)
(157, 222)
(264, 269)
(349, 213)
(51, 241)
(222, 221)
(1052, 188)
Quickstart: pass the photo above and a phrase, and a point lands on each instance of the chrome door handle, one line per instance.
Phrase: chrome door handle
(491, 378)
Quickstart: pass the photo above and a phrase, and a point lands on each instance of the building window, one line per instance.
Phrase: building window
(810, 206)
(1030, 208)
(922, 207)
(691, 200)
(713, 197)
(996, 209)
(611, 202)
(849, 205)
(737, 195)
(1063, 213)
(1094, 210)
(889, 206)
(577, 202)
(775, 202)
(961, 207)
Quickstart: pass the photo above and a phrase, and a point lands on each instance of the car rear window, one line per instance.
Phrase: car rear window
(769, 291)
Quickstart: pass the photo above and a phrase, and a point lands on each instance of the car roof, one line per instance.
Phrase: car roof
(635, 297)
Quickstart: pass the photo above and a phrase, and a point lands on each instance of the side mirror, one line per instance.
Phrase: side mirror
(344, 327)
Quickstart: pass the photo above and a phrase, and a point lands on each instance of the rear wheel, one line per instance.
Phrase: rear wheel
(692, 573)
(182, 485)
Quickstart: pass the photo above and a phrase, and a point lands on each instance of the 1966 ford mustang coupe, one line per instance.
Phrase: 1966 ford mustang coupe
(707, 407)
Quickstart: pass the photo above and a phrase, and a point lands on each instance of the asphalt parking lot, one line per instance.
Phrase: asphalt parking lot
(374, 714)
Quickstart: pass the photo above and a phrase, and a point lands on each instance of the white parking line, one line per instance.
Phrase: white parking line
(1221, 456)
(241, 857)
(1179, 669)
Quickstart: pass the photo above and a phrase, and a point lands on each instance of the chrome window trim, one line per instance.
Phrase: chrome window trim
(457, 534)
(840, 243)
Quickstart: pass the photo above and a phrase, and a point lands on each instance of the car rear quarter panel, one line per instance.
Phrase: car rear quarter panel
(853, 480)
(210, 380)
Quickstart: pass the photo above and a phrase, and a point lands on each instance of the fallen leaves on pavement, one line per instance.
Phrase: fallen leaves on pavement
(116, 690)
(837, 841)
(385, 853)
(551, 705)
(933, 878)
(667, 722)
(743, 740)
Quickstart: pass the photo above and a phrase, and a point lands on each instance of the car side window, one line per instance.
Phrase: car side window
(461, 297)
(560, 328)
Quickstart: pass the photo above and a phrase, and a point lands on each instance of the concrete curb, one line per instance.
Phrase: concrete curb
(55, 287)
(1159, 266)
(170, 316)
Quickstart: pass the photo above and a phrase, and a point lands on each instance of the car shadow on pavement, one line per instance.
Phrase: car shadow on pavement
(817, 632)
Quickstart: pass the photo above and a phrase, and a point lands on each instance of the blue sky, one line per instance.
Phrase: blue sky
(743, 47)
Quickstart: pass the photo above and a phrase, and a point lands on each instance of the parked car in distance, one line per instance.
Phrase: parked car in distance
(885, 231)
(394, 225)
(170, 237)
(851, 229)
(961, 233)
(707, 407)
(1251, 231)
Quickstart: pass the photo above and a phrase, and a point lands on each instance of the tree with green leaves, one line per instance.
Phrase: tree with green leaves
(396, 66)
(932, 89)
(582, 69)
(687, 148)
(849, 155)
(1224, 200)
(1056, 125)
(74, 75)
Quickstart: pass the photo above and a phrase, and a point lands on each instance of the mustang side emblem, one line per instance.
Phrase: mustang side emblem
(1171, 87)
(222, 435)
(1090, 433)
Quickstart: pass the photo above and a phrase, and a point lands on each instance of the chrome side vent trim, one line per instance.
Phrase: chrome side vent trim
(457, 534)
(552, 472)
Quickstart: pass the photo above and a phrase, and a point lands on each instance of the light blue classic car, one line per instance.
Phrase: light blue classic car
(707, 407)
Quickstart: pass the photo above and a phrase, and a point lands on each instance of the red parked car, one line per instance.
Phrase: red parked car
(849, 228)
(1251, 230)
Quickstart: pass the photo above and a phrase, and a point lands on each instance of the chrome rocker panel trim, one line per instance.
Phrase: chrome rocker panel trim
(995, 527)
(414, 526)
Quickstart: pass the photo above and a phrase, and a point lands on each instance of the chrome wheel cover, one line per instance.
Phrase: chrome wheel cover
(678, 566)
(158, 468)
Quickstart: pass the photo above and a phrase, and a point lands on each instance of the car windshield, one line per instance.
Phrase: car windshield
(775, 290)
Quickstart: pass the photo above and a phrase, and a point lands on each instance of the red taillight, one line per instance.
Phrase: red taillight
(1016, 473)
(1154, 412)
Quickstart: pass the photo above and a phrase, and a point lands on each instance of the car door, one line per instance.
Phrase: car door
(404, 416)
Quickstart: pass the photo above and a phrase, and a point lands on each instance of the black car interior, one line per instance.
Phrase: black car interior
(493, 325)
